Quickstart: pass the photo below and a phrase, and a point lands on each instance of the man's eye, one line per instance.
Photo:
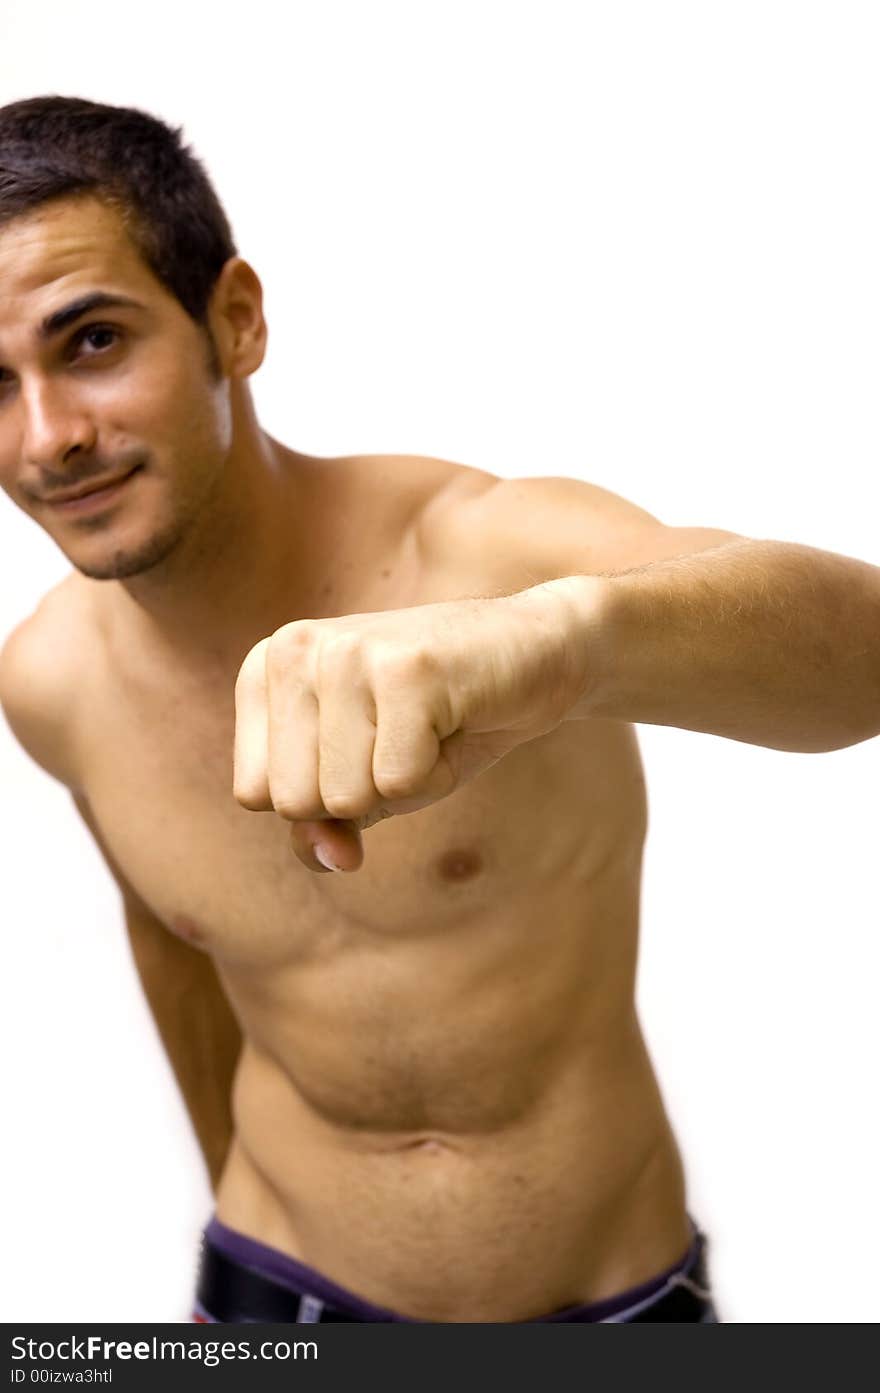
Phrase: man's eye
(97, 338)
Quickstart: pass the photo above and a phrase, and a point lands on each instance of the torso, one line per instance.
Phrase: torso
(444, 1101)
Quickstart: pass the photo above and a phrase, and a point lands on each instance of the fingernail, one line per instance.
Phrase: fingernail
(324, 858)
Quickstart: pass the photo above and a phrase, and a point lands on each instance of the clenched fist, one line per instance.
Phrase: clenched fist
(342, 722)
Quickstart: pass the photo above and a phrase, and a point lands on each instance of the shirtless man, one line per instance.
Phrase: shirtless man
(355, 738)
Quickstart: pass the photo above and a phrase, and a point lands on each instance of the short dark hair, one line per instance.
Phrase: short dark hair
(55, 147)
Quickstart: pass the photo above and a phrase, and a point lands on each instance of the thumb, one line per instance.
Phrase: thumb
(328, 844)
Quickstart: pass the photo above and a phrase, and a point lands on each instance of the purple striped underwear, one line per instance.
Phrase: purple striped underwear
(242, 1280)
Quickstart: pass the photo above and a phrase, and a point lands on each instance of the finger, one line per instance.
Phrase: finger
(328, 844)
(409, 766)
(347, 731)
(292, 729)
(250, 781)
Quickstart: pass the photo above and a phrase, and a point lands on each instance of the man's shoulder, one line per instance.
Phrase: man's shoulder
(422, 486)
(39, 664)
(495, 533)
(414, 498)
(522, 530)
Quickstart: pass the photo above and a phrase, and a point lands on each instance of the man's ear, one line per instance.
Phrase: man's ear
(235, 316)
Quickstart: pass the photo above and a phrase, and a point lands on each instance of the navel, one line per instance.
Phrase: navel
(427, 1146)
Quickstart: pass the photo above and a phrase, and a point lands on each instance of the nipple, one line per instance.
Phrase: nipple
(459, 863)
(187, 929)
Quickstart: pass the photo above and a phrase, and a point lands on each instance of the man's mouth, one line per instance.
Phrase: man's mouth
(89, 494)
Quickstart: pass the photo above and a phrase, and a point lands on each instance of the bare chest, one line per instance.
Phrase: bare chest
(348, 978)
(158, 754)
(226, 879)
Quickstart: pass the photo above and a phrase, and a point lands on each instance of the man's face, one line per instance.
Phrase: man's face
(114, 430)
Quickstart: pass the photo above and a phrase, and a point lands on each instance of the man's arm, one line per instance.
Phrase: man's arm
(197, 1027)
(198, 1030)
(200, 1035)
(767, 642)
(195, 1023)
(595, 608)
(770, 643)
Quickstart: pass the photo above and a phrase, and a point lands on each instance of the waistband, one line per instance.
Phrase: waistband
(241, 1280)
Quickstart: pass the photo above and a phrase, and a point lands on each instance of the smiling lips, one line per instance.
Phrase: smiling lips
(89, 494)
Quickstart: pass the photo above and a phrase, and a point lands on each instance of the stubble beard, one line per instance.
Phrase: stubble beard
(125, 563)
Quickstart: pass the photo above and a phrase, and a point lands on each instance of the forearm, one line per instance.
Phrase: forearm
(204, 1056)
(196, 1024)
(197, 1029)
(771, 643)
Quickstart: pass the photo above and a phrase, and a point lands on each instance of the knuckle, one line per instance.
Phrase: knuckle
(293, 641)
(253, 667)
(396, 666)
(339, 650)
(291, 807)
(248, 798)
(394, 782)
(345, 643)
(346, 805)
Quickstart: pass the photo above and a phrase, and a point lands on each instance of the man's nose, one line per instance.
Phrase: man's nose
(55, 426)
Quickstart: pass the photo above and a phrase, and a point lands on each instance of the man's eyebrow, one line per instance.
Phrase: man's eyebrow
(68, 314)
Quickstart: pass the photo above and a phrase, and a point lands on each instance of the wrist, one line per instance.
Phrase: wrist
(579, 608)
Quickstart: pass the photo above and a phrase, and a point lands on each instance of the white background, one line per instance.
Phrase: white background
(630, 242)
